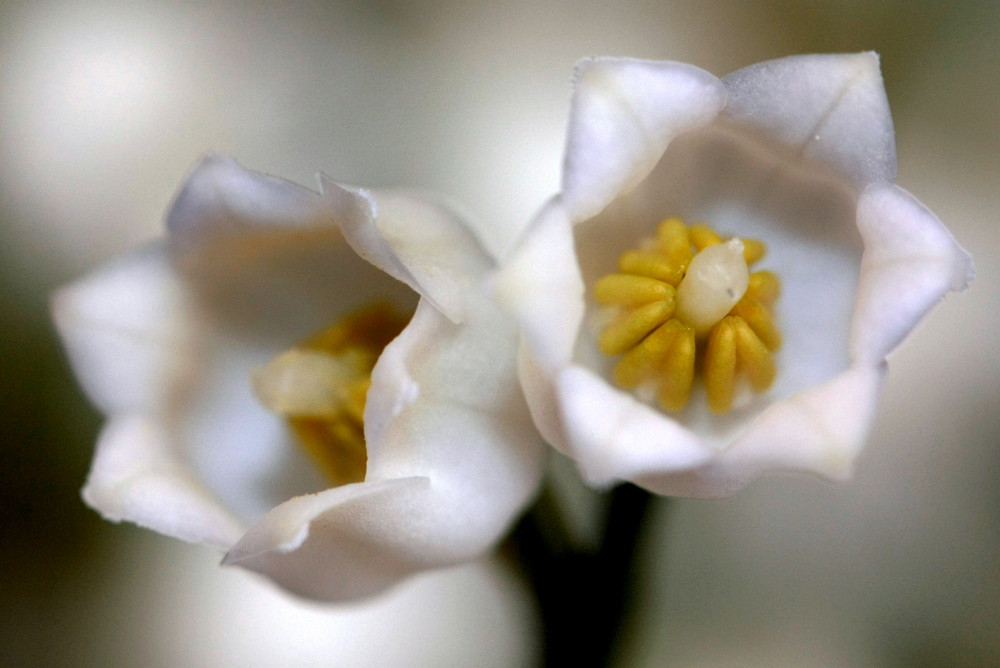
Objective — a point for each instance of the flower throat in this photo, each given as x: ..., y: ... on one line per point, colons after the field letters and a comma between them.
x: 320, y: 386
x: 686, y: 303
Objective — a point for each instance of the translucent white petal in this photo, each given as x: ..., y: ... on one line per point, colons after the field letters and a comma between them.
x: 830, y: 107
x: 820, y: 430
x: 624, y: 114
x: 344, y: 543
x: 411, y: 236
x: 452, y: 458
x: 130, y: 332
x: 137, y: 476
x: 541, y: 284
x: 615, y: 437
x: 222, y: 197
x: 910, y: 262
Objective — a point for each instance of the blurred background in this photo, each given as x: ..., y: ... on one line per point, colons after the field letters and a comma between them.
x: 104, y: 106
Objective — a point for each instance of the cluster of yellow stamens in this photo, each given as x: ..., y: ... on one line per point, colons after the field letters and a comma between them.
x: 320, y: 387
x: 687, y: 302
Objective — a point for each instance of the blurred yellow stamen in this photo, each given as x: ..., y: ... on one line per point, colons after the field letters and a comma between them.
x: 687, y: 303
x: 320, y: 387
x: 651, y: 265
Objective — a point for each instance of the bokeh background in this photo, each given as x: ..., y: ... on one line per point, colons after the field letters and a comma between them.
x: 104, y: 106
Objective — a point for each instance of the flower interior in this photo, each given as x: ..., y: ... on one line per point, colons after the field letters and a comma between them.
x: 686, y: 303
x: 320, y: 385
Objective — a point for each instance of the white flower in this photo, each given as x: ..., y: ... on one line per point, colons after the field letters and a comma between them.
x: 797, y: 153
x: 166, y: 341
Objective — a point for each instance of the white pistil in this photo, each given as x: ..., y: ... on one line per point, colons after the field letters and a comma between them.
x: 716, y: 279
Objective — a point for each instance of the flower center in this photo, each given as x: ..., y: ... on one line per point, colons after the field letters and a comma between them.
x: 320, y: 385
x: 686, y: 302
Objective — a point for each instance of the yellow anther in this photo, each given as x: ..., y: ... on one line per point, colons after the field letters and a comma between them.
x: 644, y: 361
x: 720, y: 366
x: 717, y: 314
x: 760, y: 321
x: 678, y: 372
x: 703, y: 236
x: 753, y: 250
x: 674, y: 242
x: 651, y: 265
x: 629, y: 290
x: 764, y: 286
x: 753, y: 356
x: 632, y: 327
x: 337, y: 448
x: 320, y: 387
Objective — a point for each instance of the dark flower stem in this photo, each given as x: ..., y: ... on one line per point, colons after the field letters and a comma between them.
x: 583, y: 595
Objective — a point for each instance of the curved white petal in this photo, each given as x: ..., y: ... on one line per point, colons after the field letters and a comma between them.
x: 452, y: 459
x: 222, y: 197
x: 539, y: 389
x: 341, y: 544
x: 137, y: 476
x: 820, y: 430
x: 540, y: 283
x: 615, y: 437
x: 129, y: 331
x: 624, y: 114
x: 413, y: 238
x: 911, y: 261
x: 831, y: 107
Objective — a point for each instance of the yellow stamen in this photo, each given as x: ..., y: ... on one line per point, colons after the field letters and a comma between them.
x: 720, y: 366
x: 753, y: 250
x: 764, y: 286
x: 687, y: 303
x: 754, y: 358
x: 642, y: 362
x: 651, y: 265
x: 674, y: 241
x: 760, y: 321
x: 678, y: 372
x: 632, y: 327
x: 628, y: 290
x: 320, y: 387
x: 703, y: 236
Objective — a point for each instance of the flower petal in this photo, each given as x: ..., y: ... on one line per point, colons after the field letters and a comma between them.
x: 419, y: 241
x: 341, y: 544
x: 452, y: 459
x: 541, y: 286
x: 624, y: 114
x: 137, y: 477
x: 820, y: 431
x: 129, y: 332
x: 615, y: 437
x: 831, y: 107
x: 911, y: 261
x: 540, y: 283
x: 221, y: 197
